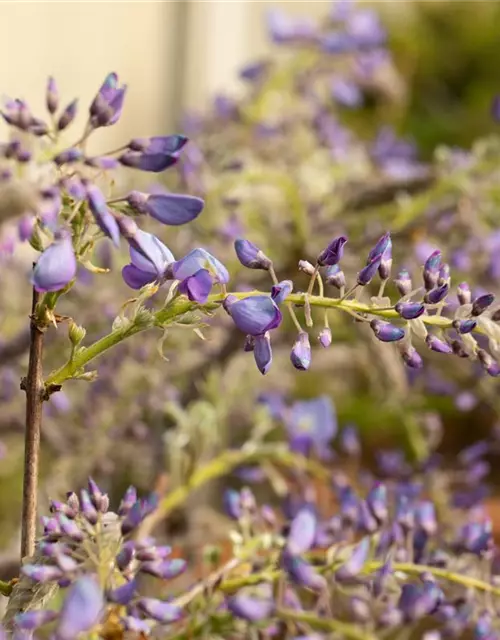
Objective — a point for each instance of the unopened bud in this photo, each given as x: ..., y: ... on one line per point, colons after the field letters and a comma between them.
x: 76, y: 333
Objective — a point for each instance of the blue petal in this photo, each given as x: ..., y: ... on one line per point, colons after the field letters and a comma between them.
x: 255, y: 315
x: 82, y: 608
x: 56, y: 267
x: 159, y: 255
x: 174, y: 208
x: 135, y: 278
x: 200, y: 259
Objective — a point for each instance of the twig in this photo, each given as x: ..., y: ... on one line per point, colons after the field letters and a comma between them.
x: 34, y: 388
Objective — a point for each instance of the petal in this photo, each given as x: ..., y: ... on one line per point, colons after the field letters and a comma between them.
x: 135, y: 278
x: 56, y: 267
x: 82, y: 608
x: 198, y: 286
x: 200, y: 259
x: 255, y: 315
x: 158, y: 254
x: 174, y: 208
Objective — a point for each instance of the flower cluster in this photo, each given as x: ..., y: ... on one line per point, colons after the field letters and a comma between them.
x: 89, y: 551
x: 415, y: 309
x: 60, y: 194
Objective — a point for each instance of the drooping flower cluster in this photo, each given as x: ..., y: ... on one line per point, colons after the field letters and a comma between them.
x: 89, y: 551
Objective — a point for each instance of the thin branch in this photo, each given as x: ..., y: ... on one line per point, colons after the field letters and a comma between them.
x: 34, y: 388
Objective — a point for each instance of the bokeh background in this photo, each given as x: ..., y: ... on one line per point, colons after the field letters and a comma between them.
x: 176, y: 58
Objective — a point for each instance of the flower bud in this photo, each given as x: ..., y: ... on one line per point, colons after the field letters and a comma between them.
x: 458, y: 349
x: 464, y: 293
x: 335, y: 276
x: 411, y: 357
x: 410, y: 310
x: 403, y: 282
x: 250, y: 255
x: 300, y: 355
x: 306, y: 267
x: 464, y: 326
x: 383, y: 244
x: 431, y: 270
x: 262, y: 352
x: 52, y: 96
x: 444, y: 274
x: 333, y: 252
x: 355, y: 563
x: 386, y: 332
x: 76, y: 333
x: 436, y: 295
x: 481, y: 303
x: 325, y: 337
x: 366, y: 275
x: 281, y: 291
x: 435, y: 344
x: 67, y: 116
x: 491, y: 367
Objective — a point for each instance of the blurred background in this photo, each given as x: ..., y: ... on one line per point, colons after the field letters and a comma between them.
x: 256, y: 166
x: 176, y: 55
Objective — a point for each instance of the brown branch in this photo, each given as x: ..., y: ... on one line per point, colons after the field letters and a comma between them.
x: 34, y: 388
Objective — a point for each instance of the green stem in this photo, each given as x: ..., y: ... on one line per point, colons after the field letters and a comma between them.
x: 223, y: 465
x: 180, y: 306
x: 234, y: 584
x: 345, y: 629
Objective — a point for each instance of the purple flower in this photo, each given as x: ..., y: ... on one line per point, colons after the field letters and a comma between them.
x: 435, y: 344
x: 366, y: 275
x: 144, y: 270
x: 464, y: 294
x: 301, y: 572
x: 349, y: 441
x: 168, y: 208
x: 411, y: 357
x: 410, y: 310
x: 164, y: 569
x: 159, y: 144
x: 335, y: 276
x: 42, y: 573
x: 311, y: 423
x: 436, y: 295
x: 403, y: 282
x: 200, y: 259
x: 302, y: 531
x: 464, y: 326
x: 255, y: 315
x: 431, y: 269
x: 249, y: 607
x: 56, y: 267
x: 262, y: 352
x: 386, y: 332
x: 163, y: 612
x: 25, y: 227
x: 377, y: 502
x: 52, y: 96
x: 333, y: 252
x: 33, y: 619
x: 124, y: 593
x: 102, y: 215
x: 281, y: 291
x: 365, y: 28
x: 355, y: 563
x: 106, y: 108
x: 82, y: 608
x: 67, y: 116
x: 68, y: 156
x: 300, y: 354
x: 325, y: 337
x: 346, y: 92
x: 481, y: 303
x: 250, y: 255
x: 197, y: 287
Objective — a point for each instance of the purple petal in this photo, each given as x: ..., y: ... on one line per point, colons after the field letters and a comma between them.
x: 82, y: 608
x: 56, y: 267
x: 135, y: 278
x: 198, y: 286
x: 255, y: 315
x: 174, y: 208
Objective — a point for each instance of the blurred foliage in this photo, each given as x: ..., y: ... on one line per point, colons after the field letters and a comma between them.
x: 447, y: 51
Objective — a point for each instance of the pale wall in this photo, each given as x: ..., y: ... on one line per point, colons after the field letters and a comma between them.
x: 172, y: 54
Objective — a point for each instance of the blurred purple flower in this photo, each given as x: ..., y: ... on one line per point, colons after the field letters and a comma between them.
x: 56, y: 266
